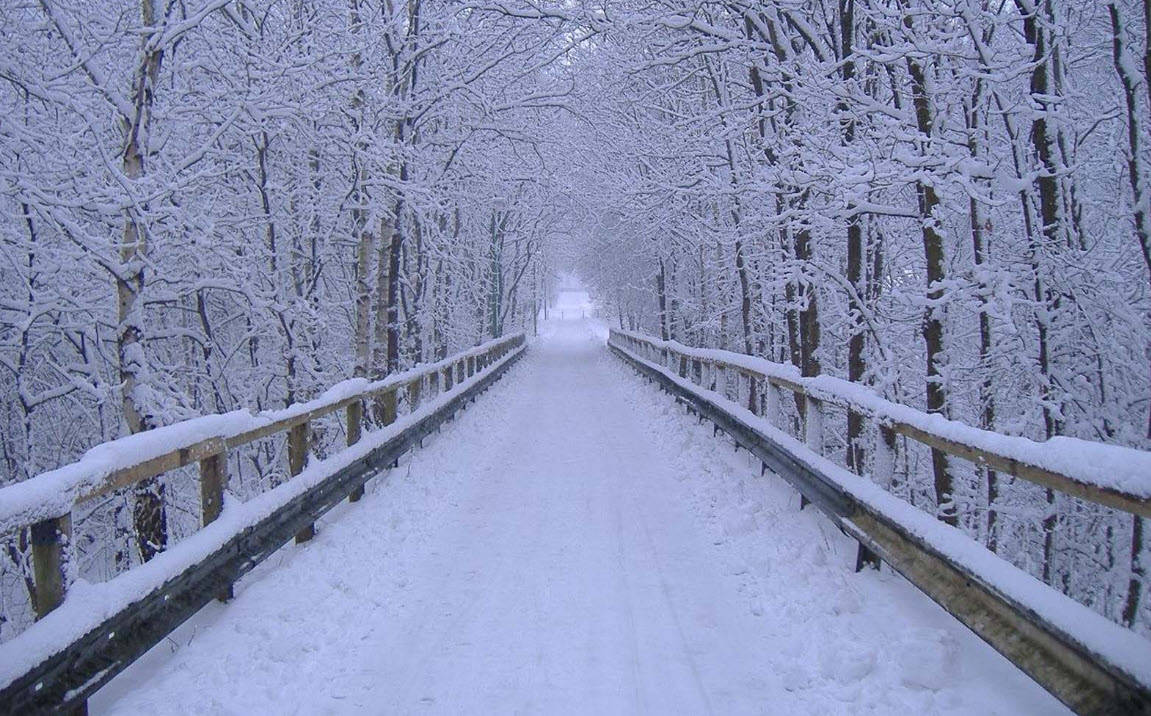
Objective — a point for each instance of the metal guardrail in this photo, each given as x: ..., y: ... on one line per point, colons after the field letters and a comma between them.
x: 65, y: 680
x: 1059, y: 660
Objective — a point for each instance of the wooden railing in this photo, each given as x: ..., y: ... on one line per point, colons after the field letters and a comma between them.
x: 64, y: 673
x: 1090, y: 663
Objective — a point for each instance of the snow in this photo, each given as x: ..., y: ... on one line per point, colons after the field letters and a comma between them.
x: 1121, y: 647
x: 1111, y: 467
x: 573, y: 543
x: 88, y: 605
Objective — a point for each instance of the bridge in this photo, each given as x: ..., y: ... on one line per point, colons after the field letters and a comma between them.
x: 587, y: 521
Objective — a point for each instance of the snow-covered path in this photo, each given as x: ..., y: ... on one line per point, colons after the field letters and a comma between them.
x: 572, y: 543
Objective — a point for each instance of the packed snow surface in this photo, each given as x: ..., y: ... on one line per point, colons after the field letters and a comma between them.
x: 573, y: 543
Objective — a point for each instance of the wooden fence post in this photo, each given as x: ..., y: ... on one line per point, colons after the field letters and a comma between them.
x: 297, y: 458
x: 213, y: 480
x: 883, y: 464
x: 771, y: 403
x: 355, y: 416
x: 387, y: 407
x: 812, y: 430
x: 51, y: 546
x: 449, y: 374
x: 414, y: 390
x: 51, y: 540
x: 813, y: 424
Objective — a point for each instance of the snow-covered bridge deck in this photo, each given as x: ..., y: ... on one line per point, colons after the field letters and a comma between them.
x: 573, y: 543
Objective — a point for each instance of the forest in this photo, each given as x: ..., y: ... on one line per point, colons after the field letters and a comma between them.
x: 211, y: 205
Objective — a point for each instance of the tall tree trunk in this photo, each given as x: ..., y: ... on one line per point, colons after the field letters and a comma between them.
x: 395, y: 251
x: 1141, y: 198
x: 362, y: 337
x: 982, y: 254
x: 380, y: 327
x: 744, y: 297
x: 363, y: 301
x: 809, y: 333
x: 661, y: 295
x: 1053, y: 232
x: 933, y: 314
x: 856, y: 360
x: 148, y: 513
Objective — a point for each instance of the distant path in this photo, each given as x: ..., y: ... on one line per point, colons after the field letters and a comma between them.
x: 573, y: 544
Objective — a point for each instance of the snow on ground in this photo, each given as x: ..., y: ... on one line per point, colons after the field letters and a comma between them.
x: 572, y: 304
x: 573, y: 543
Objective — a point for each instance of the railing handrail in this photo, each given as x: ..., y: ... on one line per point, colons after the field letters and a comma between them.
x: 1111, y: 475
x: 119, y: 463
x: 78, y: 645
x: 1089, y: 662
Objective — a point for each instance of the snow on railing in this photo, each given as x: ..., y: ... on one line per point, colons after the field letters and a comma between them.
x: 44, y: 503
x: 1111, y: 475
x: 1083, y: 658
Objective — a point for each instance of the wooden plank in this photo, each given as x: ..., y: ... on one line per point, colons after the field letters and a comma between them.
x: 883, y: 465
x: 182, y: 457
x: 50, y: 552
x: 355, y: 418
x: 213, y: 480
x: 994, y: 461
x: 196, y: 452
x: 813, y: 423
x: 386, y: 408
x: 771, y: 404
x: 1032, y: 473
x: 297, y: 459
x: 287, y: 423
x: 415, y: 388
x: 787, y: 385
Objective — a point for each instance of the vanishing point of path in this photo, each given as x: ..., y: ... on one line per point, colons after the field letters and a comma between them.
x: 572, y: 543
